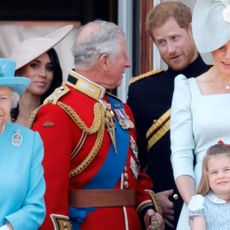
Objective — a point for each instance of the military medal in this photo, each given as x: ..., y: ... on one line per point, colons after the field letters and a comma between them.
x: 17, y: 138
x: 134, y: 167
x: 109, y: 122
x: 133, y: 146
x: 123, y: 118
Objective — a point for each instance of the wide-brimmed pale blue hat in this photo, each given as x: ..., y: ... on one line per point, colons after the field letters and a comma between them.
x: 211, y: 24
x: 7, y: 78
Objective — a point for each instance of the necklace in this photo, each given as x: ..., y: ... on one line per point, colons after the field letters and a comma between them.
x: 217, y: 78
x: 226, y: 84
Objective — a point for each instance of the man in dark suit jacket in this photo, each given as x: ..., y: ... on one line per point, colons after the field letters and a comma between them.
x: 150, y: 96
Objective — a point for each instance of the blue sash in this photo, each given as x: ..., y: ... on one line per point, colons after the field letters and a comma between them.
x: 113, y: 166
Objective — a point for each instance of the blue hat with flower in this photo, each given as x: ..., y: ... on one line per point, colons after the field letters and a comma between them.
x: 7, y: 78
x: 211, y: 24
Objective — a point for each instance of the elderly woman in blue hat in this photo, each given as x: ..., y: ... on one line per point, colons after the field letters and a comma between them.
x: 21, y: 152
x: 200, y: 107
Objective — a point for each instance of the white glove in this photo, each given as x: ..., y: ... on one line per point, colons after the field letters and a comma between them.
x: 4, y: 227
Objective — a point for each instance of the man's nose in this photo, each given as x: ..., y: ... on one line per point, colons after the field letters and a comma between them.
x: 128, y: 63
x: 171, y: 47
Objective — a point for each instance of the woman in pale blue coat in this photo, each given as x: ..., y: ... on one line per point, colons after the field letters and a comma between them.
x: 22, y: 183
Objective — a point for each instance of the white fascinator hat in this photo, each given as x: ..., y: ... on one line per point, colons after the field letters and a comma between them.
x: 211, y: 24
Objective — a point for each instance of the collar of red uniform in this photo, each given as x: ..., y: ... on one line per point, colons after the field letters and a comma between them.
x: 85, y: 85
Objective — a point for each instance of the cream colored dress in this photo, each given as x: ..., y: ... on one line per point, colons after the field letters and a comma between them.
x: 197, y: 122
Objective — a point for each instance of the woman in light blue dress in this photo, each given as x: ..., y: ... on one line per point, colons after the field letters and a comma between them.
x: 201, y: 106
x: 22, y: 183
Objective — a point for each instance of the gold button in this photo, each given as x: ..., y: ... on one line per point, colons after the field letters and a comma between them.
x: 126, y: 184
x: 175, y: 196
x: 126, y: 176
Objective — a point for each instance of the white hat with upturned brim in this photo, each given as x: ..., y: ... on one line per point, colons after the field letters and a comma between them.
x: 7, y: 78
x: 211, y: 24
x: 32, y: 48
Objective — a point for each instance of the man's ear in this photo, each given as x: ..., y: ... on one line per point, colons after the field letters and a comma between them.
x: 189, y: 29
x: 104, y: 61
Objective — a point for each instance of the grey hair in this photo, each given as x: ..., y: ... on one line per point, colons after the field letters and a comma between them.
x: 14, y: 99
x: 103, y: 40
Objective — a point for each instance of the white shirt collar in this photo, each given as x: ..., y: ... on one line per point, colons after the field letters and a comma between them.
x: 215, y: 199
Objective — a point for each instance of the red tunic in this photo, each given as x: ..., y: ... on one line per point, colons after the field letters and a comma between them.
x: 61, y: 133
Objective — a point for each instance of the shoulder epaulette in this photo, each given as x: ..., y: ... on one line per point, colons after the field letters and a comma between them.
x: 145, y: 75
x: 53, y: 99
x: 56, y: 95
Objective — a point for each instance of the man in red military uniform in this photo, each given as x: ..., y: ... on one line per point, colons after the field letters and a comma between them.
x: 91, y: 159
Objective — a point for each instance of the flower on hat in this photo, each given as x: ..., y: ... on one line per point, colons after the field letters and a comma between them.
x: 226, y: 13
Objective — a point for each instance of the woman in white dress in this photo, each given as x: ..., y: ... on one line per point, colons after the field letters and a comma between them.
x: 201, y: 106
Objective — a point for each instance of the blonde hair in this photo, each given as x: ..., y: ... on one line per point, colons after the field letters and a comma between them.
x: 214, y: 150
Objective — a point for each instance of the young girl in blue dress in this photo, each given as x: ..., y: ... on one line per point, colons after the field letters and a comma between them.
x: 209, y: 209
